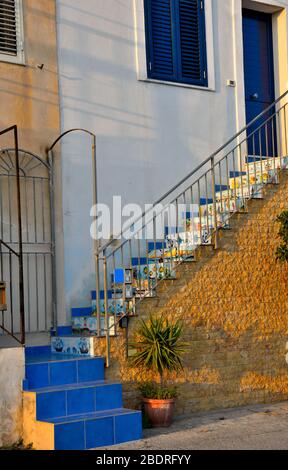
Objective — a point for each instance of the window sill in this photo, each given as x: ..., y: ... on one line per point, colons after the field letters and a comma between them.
x: 176, y: 84
x: 12, y: 60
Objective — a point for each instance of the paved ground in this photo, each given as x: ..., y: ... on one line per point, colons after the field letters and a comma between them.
x: 254, y: 427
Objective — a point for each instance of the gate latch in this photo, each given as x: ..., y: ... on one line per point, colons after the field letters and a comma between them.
x: 3, y: 303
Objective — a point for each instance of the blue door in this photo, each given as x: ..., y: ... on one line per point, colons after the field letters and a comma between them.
x: 259, y: 79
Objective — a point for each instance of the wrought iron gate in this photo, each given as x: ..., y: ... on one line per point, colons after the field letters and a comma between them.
x: 36, y: 210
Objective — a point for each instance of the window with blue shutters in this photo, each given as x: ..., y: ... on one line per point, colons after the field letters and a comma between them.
x: 176, y: 41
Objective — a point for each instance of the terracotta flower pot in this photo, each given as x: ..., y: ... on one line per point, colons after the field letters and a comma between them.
x: 159, y: 412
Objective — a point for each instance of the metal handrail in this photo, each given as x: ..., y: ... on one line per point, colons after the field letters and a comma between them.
x: 214, y: 208
x: 103, y: 247
x: 9, y: 248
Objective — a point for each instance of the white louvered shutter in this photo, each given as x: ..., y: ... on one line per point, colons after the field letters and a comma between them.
x: 11, y: 40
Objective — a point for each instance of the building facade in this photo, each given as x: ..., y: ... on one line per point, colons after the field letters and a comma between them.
x: 158, y: 104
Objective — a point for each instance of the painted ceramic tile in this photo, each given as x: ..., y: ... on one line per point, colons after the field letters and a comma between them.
x: 182, y: 245
x: 72, y: 345
x: 178, y: 247
x: 162, y: 269
x: 89, y: 326
x: 116, y: 306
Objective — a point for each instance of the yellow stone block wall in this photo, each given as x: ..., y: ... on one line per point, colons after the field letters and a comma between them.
x: 234, y: 303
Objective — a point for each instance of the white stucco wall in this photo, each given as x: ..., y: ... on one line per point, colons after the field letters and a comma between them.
x: 11, y: 375
x: 149, y: 134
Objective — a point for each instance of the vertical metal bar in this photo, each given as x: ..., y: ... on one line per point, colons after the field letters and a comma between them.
x: 45, y: 290
x: 221, y: 187
x: 11, y: 294
x: 228, y: 185
x: 107, y: 332
x: 28, y: 292
x: 26, y: 211
x: 1, y: 205
x: 261, y: 154
x: 140, y: 283
x: 53, y: 238
x: 267, y: 146
x: 241, y: 175
x: 279, y: 138
x: 114, y: 302
x: 43, y: 208
x: 254, y: 163
x: 207, y: 201
x: 10, y: 198
x: 248, y: 164
x: 1, y: 273
x: 200, y: 214
x: 192, y: 216
x: 98, y: 312
x: 214, y: 201
x: 286, y: 137
x: 21, y: 273
x: 155, y: 256
x: 234, y: 174
x: 177, y: 229
x: 35, y: 211
x: 37, y: 292
x: 96, y: 241
x: 273, y: 147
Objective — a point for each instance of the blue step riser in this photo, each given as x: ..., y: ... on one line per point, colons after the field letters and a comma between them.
x: 100, y: 432
x: 78, y: 401
x: 63, y: 373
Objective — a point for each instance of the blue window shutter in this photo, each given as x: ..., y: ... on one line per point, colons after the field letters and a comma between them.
x: 192, y: 42
x: 161, y: 61
x: 176, y: 40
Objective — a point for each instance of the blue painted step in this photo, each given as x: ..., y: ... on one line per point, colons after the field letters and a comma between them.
x: 44, y: 372
x: 221, y: 187
x: 237, y: 174
x: 251, y: 159
x: 88, y: 431
x: 82, y: 312
x: 81, y: 398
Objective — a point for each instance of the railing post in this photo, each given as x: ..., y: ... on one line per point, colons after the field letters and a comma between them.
x: 107, y: 330
x: 97, y: 272
x: 53, y: 238
x: 20, y: 241
x: 96, y: 241
x: 214, y: 202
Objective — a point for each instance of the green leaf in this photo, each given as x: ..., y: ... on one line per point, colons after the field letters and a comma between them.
x: 159, y: 346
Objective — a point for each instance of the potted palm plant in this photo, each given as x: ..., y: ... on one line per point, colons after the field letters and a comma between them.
x: 159, y: 349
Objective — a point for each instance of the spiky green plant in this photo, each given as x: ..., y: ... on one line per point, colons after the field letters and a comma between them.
x: 282, y: 250
x: 159, y: 347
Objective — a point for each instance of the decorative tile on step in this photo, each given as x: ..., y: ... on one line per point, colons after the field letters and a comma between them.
x: 74, y: 345
x: 89, y: 325
x: 117, y: 305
